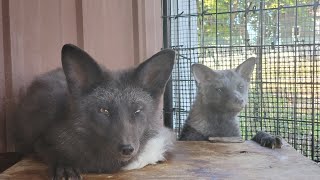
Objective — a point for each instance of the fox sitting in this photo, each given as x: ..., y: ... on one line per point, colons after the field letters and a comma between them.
x: 222, y: 94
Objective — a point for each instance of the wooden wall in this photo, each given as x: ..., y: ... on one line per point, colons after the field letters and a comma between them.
x: 117, y: 33
x: 2, y: 88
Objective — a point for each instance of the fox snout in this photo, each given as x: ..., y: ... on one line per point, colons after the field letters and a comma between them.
x: 239, y: 101
x: 236, y: 102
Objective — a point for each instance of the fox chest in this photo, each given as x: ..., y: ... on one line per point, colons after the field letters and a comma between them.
x: 223, y: 127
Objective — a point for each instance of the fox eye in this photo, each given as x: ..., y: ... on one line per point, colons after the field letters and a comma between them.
x: 219, y: 90
x: 104, y: 111
x: 137, y: 112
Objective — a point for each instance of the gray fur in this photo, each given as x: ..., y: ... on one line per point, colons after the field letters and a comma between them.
x: 78, y: 118
x: 222, y: 94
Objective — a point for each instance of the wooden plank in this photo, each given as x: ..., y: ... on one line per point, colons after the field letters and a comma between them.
x: 153, y: 26
x: 107, y: 31
x: 2, y: 87
x: 147, y: 28
x: 203, y: 160
x: 226, y: 139
x: 7, y: 66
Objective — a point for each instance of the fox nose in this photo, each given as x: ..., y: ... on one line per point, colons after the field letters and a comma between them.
x: 126, y: 150
x: 239, y: 101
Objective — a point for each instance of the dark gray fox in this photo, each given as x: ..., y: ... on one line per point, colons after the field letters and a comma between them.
x: 222, y: 94
x: 84, y: 118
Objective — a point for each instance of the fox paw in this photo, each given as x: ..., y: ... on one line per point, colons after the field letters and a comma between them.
x: 66, y: 173
x: 267, y: 140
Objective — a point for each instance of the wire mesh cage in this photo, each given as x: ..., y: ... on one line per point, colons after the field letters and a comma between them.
x: 284, y: 35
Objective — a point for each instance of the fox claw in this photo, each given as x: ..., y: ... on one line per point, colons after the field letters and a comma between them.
x: 267, y: 140
x: 66, y: 173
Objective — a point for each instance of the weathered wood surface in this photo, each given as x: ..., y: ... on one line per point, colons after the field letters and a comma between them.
x: 226, y: 139
x: 203, y: 160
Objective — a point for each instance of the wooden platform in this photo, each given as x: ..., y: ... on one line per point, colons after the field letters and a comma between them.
x: 202, y: 160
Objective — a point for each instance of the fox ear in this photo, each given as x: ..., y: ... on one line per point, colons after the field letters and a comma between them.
x: 202, y: 74
x: 154, y: 73
x: 246, y: 68
x: 82, y: 72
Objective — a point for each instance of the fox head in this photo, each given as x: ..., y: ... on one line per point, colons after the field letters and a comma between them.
x: 115, y: 111
x: 224, y: 90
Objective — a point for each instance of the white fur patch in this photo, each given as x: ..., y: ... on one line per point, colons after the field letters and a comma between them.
x: 154, y: 150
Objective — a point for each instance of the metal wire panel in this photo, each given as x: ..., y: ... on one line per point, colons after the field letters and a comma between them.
x: 284, y: 35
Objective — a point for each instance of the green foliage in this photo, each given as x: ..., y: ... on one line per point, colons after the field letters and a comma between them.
x: 220, y: 27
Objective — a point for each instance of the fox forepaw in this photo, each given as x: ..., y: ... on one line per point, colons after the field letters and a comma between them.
x: 267, y: 140
x: 66, y: 173
x: 271, y: 142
